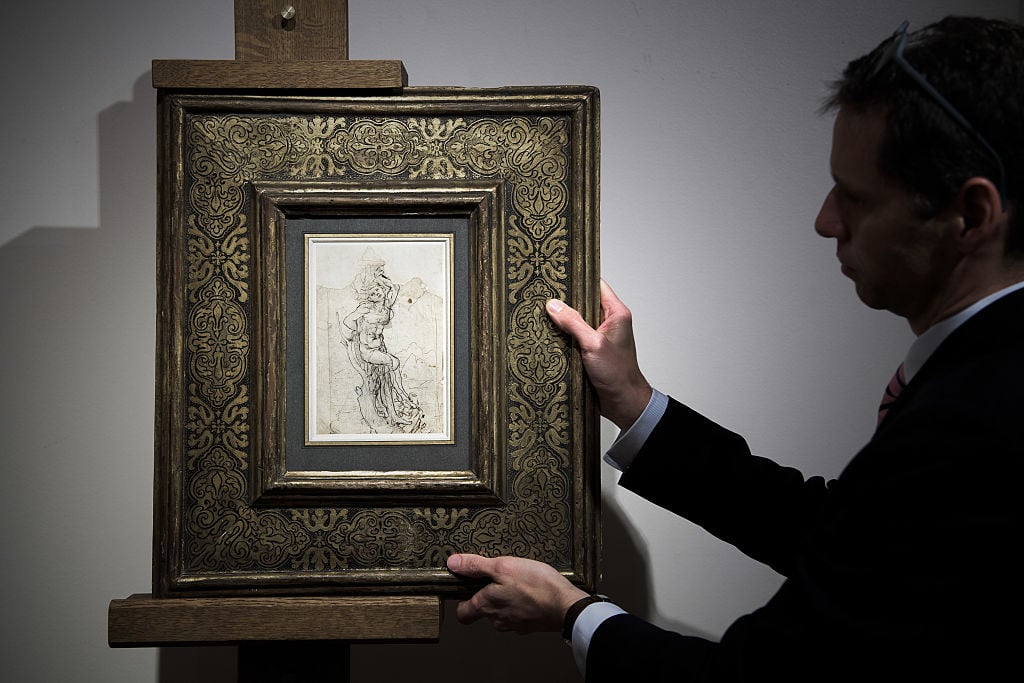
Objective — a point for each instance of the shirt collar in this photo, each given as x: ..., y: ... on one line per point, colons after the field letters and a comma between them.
x: 925, y: 345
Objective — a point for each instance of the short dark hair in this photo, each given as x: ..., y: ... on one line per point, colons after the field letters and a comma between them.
x: 978, y: 65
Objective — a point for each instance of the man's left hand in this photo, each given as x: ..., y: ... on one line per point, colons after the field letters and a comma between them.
x: 523, y: 595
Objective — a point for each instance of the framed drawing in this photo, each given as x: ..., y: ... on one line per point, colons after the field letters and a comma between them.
x: 356, y: 376
x: 378, y: 332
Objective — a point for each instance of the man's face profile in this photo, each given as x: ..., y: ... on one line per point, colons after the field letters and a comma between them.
x: 897, y: 260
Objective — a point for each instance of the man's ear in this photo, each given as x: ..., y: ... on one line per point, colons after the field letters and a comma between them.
x: 981, y: 212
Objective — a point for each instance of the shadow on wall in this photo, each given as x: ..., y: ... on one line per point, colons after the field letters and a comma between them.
x: 627, y: 573
x: 77, y: 375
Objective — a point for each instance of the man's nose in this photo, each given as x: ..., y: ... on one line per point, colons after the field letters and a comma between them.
x: 828, y: 223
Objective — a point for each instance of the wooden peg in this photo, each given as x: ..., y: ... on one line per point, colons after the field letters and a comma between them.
x: 285, y: 45
x: 291, y: 30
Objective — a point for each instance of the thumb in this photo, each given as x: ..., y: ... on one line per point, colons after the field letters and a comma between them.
x: 473, y: 566
x: 570, y: 321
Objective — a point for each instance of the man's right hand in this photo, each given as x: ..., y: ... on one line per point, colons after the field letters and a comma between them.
x: 609, y: 356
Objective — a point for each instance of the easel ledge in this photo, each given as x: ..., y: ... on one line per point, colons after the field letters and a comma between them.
x: 141, y: 620
x: 197, y: 74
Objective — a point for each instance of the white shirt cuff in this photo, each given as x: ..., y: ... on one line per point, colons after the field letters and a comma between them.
x: 622, y: 453
x: 586, y: 625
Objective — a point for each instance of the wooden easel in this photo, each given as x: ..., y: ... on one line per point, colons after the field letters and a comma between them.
x: 285, y: 45
x: 280, y: 45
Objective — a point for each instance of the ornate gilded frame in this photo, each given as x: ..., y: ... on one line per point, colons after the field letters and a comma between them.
x: 519, y: 166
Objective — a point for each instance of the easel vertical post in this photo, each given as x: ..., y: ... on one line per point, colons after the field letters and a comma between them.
x: 273, y: 31
x: 295, y: 662
x: 291, y: 30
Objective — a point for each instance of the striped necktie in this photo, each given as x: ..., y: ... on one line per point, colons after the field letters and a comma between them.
x: 896, y: 386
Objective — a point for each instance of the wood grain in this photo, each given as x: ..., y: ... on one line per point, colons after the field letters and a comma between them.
x: 316, y: 31
x: 142, y: 620
x: 201, y: 74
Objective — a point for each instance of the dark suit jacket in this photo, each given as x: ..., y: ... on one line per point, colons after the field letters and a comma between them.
x: 905, y: 567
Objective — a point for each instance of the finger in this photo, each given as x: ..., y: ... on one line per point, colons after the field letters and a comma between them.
x: 611, y: 305
x: 473, y: 566
x: 467, y: 612
x: 571, y: 322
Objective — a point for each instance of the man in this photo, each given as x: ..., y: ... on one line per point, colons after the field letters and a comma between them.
x: 905, y: 567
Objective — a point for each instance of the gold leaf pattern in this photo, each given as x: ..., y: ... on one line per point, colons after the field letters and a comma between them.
x: 219, y: 344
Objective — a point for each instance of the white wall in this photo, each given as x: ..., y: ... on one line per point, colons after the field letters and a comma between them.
x: 714, y: 163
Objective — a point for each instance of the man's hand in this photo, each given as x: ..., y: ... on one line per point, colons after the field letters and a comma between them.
x: 523, y: 595
x: 609, y: 355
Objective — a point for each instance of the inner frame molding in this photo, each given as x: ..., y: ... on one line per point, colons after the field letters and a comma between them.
x: 520, y: 167
x: 276, y: 484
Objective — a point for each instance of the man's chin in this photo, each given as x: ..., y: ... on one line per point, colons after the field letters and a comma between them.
x: 870, y: 298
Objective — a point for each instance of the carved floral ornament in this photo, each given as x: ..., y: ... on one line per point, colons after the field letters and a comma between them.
x: 220, y: 531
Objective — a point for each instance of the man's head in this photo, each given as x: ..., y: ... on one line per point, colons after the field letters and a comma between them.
x: 927, y: 156
x: 977, y: 66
